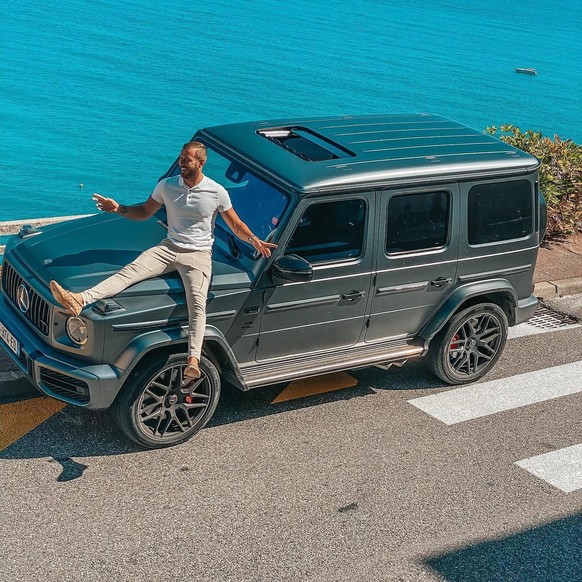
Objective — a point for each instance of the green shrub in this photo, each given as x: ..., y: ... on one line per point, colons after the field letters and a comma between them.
x: 560, y: 176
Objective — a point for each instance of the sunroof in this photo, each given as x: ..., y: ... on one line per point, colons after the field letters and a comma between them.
x: 305, y: 144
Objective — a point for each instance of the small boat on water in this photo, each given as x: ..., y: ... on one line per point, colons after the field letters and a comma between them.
x: 526, y: 70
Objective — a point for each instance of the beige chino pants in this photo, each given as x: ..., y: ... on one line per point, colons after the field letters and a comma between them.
x: 194, y: 268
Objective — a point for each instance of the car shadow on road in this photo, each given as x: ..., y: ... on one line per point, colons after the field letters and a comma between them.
x: 237, y: 406
x: 73, y: 432
x: 548, y: 552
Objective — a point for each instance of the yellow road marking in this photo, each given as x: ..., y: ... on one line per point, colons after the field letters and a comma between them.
x: 316, y: 385
x: 19, y: 418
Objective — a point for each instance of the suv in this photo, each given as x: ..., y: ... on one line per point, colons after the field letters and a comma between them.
x: 398, y: 236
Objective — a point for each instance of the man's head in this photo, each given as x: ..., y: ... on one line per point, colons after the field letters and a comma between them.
x: 192, y: 159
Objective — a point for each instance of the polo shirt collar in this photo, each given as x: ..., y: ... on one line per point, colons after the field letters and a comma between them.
x: 182, y: 184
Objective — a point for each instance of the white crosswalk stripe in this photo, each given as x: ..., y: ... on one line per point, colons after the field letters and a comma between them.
x: 543, y: 321
x: 478, y: 400
x: 528, y: 329
x: 561, y: 468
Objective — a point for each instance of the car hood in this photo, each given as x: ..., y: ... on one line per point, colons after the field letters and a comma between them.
x: 80, y: 253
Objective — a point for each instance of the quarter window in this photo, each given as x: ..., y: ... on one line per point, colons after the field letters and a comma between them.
x: 500, y: 211
x: 417, y: 222
x: 330, y: 231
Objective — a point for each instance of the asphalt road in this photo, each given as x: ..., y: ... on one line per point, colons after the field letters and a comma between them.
x: 361, y: 484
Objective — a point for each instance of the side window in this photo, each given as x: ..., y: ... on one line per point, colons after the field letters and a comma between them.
x: 500, y: 211
x: 330, y: 231
x: 417, y: 222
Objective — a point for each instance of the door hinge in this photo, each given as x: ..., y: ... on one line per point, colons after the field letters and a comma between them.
x: 368, y: 321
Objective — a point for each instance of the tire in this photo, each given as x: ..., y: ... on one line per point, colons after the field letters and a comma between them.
x: 469, y: 345
x: 155, y: 409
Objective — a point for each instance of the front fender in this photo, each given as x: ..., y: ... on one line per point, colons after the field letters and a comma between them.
x: 460, y: 296
x: 215, y: 346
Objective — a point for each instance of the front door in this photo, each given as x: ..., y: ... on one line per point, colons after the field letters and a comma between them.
x: 418, y: 240
x: 335, y: 236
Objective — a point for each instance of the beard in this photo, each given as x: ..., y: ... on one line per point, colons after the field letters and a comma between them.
x: 187, y: 173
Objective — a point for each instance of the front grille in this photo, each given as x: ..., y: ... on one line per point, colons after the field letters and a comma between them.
x: 38, y: 312
x: 64, y: 385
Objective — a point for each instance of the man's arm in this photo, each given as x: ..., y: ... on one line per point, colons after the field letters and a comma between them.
x: 242, y: 231
x: 141, y: 211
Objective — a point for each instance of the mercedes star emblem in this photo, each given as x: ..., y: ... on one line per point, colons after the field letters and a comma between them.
x: 22, y: 298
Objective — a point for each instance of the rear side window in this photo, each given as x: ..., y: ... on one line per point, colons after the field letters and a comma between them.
x: 500, y: 211
x: 417, y: 222
x: 330, y: 231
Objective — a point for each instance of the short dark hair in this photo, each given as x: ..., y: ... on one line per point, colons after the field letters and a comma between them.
x: 198, y: 147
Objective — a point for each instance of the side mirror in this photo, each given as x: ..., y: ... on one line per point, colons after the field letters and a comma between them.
x: 291, y: 269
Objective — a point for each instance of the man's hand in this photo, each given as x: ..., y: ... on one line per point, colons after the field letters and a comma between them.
x: 263, y: 247
x: 105, y: 204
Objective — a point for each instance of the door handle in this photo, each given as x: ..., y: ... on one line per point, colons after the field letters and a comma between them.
x: 351, y: 295
x: 441, y: 281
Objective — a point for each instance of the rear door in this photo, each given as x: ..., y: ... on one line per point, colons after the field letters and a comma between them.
x: 335, y: 235
x: 416, y: 267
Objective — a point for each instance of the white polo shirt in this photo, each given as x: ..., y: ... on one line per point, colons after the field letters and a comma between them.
x: 191, y: 211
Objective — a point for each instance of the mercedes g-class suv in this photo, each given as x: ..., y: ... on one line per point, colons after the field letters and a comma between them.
x: 398, y: 236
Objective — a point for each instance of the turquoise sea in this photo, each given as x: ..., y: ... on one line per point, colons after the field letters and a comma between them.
x: 99, y: 95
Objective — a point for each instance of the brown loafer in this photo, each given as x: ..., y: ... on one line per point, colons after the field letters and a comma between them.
x: 192, y: 372
x: 67, y: 299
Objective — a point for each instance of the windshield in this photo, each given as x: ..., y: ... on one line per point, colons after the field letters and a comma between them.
x: 257, y: 203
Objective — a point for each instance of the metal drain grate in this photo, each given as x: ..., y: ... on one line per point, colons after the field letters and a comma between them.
x: 545, y: 318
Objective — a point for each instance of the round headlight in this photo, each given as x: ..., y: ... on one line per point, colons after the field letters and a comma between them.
x: 77, y: 330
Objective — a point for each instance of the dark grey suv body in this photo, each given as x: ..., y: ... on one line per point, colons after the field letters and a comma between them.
x: 398, y: 236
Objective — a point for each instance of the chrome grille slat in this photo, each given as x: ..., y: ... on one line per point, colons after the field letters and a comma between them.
x: 39, y: 312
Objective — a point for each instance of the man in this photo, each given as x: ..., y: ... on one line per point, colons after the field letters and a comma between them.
x: 192, y: 201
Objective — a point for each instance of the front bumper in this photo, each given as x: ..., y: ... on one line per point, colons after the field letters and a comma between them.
x: 55, y: 374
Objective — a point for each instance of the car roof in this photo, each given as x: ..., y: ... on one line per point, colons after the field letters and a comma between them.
x: 367, y: 150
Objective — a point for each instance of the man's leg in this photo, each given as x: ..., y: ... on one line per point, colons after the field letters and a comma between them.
x: 151, y: 263
x: 195, y: 269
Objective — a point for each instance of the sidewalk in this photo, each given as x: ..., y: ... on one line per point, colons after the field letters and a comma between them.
x: 559, y: 270
x: 557, y: 278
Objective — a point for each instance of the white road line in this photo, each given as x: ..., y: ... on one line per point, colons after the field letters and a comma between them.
x: 561, y: 468
x: 524, y: 329
x: 478, y: 400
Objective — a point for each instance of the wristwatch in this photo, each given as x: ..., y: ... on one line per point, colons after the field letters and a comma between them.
x: 252, y: 237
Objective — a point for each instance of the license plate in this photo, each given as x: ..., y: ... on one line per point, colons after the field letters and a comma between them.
x: 9, y: 339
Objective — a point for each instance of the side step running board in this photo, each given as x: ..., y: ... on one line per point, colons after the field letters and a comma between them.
x: 381, y: 355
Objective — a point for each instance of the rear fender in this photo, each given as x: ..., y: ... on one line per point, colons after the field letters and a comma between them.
x: 471, y: 291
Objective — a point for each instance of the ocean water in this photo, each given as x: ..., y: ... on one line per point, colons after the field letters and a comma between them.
x: 99, y: 95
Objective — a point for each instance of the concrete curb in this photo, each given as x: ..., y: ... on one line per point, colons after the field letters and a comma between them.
x: 551, y: 289
x: 14, y: 384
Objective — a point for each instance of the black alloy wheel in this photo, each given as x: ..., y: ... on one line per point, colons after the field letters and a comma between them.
x: 158, y: 407
x: 469, y: 345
